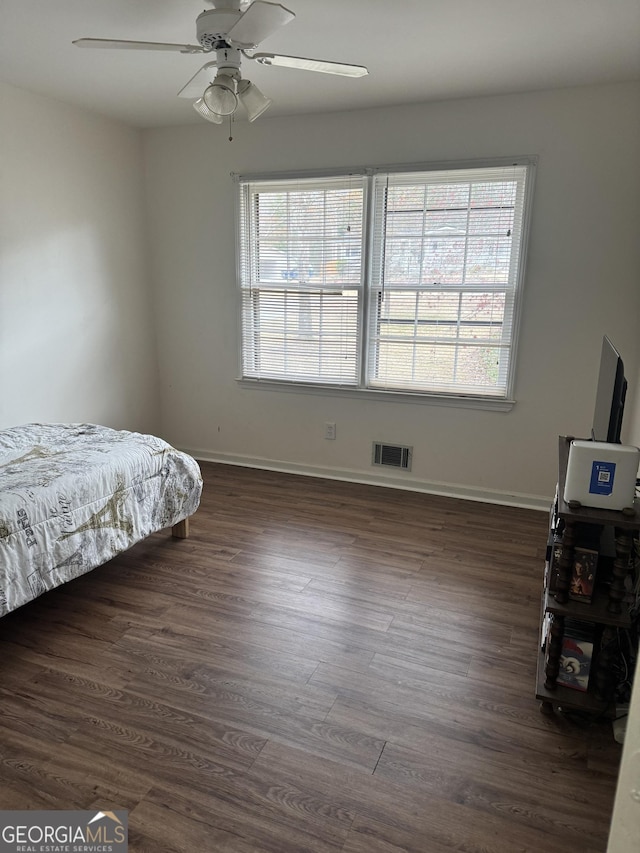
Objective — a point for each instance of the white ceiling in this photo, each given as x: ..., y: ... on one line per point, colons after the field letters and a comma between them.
x: 416, y: 51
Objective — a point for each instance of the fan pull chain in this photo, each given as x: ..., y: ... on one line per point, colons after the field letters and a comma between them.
x: 230, y: 120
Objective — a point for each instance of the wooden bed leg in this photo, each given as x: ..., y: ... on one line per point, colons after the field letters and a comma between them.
x: 181, y: 529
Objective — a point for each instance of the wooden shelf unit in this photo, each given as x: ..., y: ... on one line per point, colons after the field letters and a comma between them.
x: 607, y: 611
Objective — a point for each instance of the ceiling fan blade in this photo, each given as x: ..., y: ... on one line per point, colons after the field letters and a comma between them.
x: 259, y: 21
x: 306, y: 64
x: 138, y: 45
x: 199, y: 82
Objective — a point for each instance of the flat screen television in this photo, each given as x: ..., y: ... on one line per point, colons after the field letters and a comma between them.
x: 610, y: 395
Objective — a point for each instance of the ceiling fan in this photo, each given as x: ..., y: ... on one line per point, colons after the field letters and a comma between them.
x: 229, y: 30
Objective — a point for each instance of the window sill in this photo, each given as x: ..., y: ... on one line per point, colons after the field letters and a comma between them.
x: 455, y: 402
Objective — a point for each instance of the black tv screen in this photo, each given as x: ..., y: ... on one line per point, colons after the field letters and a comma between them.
x: 610, y: 395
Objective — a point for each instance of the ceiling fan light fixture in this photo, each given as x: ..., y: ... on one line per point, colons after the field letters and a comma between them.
x: 220, y: 97
x: 203, y: 110
x: 229, y: 30
x: 252, y: 99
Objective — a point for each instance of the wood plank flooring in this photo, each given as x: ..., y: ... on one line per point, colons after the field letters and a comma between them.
x: 320, y: 667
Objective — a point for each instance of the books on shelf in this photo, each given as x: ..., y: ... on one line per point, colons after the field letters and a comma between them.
x: 576, y: 655
x: 583, y: 574
x: 551, y: 565
x: 545, y: 630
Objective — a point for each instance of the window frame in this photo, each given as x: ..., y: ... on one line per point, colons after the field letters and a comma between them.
x: 501, y: 402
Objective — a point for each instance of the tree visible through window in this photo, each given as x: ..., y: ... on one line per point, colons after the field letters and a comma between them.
x: 423, y: 302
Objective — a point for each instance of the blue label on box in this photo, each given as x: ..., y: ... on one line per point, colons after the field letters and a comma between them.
x: 602, y: 476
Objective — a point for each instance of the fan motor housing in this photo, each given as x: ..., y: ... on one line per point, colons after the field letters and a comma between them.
x: 212, y: 26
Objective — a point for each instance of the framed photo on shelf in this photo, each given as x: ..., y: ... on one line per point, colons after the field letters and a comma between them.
x: 576, y: 655
x: 583, y: 574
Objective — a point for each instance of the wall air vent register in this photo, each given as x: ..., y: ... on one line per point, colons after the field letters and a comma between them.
x: 392, y: 455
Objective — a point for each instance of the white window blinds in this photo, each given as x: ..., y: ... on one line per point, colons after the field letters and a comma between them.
x: 444, y: 280
x: 422, y: 299
x: 301, y: 279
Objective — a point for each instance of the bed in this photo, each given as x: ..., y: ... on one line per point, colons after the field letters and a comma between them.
x: 73, y: 496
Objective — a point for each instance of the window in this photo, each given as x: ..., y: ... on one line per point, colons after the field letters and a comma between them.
x: 404, y: 281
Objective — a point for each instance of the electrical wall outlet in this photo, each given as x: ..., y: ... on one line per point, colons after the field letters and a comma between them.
x: 330, y: 430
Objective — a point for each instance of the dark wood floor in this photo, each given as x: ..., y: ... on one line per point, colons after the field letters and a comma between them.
x: 320, y: 667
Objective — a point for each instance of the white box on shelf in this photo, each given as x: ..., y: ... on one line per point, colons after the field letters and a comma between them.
x: 602, y: 475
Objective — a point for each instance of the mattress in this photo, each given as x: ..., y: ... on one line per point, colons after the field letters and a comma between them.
x: 73, y: 496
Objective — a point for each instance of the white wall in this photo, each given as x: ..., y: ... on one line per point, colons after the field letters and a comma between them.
x: 77, y: 334
x: 583, y: 280
x: 632, y: 416
x: 625, y: 821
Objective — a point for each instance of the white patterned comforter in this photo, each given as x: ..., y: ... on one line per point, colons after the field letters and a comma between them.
x: 72, y: 496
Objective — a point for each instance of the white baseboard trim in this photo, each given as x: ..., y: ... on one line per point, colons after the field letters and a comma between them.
x: 449, y: 490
